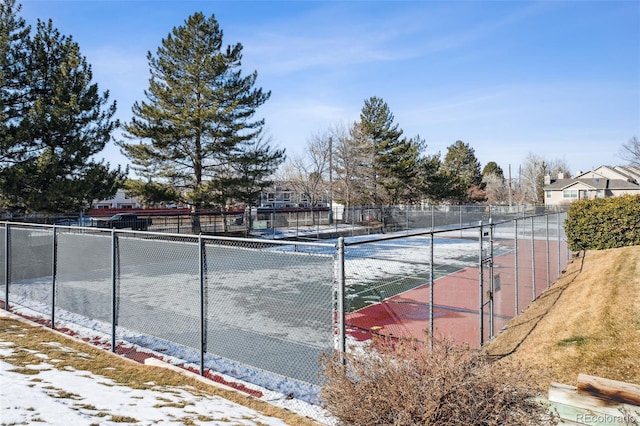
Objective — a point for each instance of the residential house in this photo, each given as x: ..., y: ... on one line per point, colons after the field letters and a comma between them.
x: 282, y: 196
x: 602, y: 182
x: 121, y: 200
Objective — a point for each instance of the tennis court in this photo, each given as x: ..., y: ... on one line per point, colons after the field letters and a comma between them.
x: 399, y: 305
x: 272, y: 305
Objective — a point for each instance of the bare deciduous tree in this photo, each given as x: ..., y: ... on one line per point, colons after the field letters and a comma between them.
x: 630, y: 151
x: 352, y: 163
x: 496, y: 189
x: 532, y: 173
x: 308, y: 174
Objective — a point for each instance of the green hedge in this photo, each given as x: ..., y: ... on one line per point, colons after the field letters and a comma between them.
x: 604, y: 223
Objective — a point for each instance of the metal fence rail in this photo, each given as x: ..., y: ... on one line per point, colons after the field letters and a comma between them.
x: 276, y: 306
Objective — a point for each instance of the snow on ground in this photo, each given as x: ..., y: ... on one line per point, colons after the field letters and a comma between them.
x: 72, y: 397
x: 173, y: 356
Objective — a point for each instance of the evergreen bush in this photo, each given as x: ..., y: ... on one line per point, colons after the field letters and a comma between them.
x: 603, y: 223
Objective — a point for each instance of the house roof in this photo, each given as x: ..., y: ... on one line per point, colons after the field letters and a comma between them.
x: 604, y: 177
x: 628, y: 173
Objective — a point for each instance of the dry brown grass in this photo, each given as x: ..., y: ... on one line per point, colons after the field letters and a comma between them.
x: 30, y: 339
x: 588, y: 322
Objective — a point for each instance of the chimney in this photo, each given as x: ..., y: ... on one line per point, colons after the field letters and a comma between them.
x: 547, y: 179
x: 560, y: 175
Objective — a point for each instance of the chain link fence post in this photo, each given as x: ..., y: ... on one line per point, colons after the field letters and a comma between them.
x: 481, y: 285
x: 559, y: 245
x: 432, y: 217
x: 515, y: 265
x: 114, y: 293
x: 489, y: 260
x: 7, y: 271
x: 54, y: 266
x: 548, y: 262
x: 533, y: 259
x: 203, y: 298
x: 340, y: 295
x: 431, y: 272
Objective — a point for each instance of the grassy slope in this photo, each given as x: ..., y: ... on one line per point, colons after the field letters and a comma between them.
x: 588, y: 322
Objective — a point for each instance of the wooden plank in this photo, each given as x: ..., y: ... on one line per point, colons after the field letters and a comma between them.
x: 568, y: 395
x: 613, y: 390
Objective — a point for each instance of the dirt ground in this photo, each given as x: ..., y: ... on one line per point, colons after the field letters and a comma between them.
x: 588, y: 322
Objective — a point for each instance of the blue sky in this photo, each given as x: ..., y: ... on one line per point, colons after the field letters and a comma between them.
x: 560, y: 79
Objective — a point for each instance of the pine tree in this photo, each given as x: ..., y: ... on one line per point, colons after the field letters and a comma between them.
x: 462, y: 169
x: 401, y: 181
x: 251, y: 172
x: 14, y: 35
x: 378, y: 127
x: 63, y: 122
x: 394, y: 159
x: 196, y: 125
x: 492, y: 168
x: 433, y: 183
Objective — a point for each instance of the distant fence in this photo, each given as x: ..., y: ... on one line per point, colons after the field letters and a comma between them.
x: 312, y: 222
x: 276, y: 306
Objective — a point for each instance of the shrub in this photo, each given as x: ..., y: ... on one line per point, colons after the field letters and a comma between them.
x: 603, y: 223
x: 408, y: 384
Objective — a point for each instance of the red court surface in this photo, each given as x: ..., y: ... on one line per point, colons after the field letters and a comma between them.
x: 456, y: 299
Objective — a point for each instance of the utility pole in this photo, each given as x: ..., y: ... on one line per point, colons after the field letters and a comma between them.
x: 509, y: 184
x: 331, y: 180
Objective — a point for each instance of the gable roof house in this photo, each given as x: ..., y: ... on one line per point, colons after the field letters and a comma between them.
x: 602, y: 182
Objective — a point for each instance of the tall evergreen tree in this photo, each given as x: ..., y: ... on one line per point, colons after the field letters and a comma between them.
x: 251, y: 172
x: 492, y: 168
x: 462, y: 170
x: 402, y: 184
x: 63, y: 122
x: 435, y: 185
x: 196, y: 125
x: 394, y: 159
x: 14, y: 36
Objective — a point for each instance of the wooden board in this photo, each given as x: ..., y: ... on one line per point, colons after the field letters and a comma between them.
x: 589, y: 409
x: 613, y: 390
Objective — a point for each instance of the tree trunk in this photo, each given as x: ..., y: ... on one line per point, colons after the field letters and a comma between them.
x: 195, y: 220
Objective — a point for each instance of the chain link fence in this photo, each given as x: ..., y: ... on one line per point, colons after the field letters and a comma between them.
x: 464, y: 283
x: 265, y: 310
